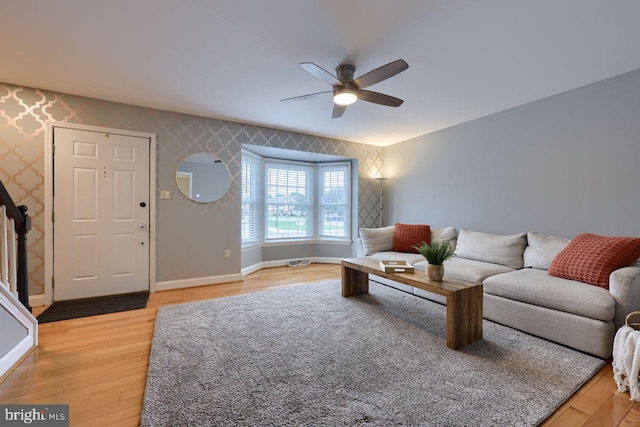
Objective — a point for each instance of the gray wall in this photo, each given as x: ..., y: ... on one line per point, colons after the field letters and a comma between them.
x: 12, y: 332
x: 190, y: 237
x: 562, y: 165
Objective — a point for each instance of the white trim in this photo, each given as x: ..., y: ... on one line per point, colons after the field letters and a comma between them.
x: 304, y: 242
x: 294, y: 243
x: 333, y: 242
x: 26, y: 319
x: 284, y: 262
x: 252, y: 269
x: 326, y: 260
x: 48, y: 197
x: 196, y: 281
x: 37, y: 300
x: 250, y: 154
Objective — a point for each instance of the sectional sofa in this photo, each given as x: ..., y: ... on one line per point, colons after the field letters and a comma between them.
x: 519, y: 291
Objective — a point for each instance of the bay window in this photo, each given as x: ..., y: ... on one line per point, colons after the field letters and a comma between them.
x: 289, y: 201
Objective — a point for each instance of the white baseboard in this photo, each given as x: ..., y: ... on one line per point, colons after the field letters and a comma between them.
x: 37, y: 300
x: 196, y: 281
x: 284, y: 262
x: 252, y: 269
x: 327, y: 260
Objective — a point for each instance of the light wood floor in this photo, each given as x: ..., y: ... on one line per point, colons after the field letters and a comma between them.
x: 98, y: 365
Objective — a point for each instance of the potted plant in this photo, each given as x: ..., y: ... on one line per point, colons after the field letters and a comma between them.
x: 436, y: 254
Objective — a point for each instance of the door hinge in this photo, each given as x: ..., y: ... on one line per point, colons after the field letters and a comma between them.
x: 54, y: 149
x: 53, y: 282
x: 53, y: 216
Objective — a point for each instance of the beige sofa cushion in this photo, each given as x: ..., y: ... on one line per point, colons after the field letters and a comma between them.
x: 446, y: 234
x: 466, y: 269
x: 542, y: 249
x: 494, y: 248
x: 377, y: 239
x: 537, y: 287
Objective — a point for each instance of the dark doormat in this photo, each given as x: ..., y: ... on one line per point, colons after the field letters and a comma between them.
x: 93, y: 306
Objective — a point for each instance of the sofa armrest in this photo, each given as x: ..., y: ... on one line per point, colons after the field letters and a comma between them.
x: 624, y: 286
x: 359, y: 248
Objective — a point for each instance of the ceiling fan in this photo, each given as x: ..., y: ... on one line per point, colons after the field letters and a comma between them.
x: 346, y: 90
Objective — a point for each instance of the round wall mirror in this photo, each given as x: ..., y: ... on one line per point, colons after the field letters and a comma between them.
x: 203, y: 177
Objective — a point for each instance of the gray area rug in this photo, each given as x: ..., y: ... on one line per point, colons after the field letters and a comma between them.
x: 305, y: 356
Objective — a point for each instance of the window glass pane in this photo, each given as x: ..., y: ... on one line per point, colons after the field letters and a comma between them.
x: 334, y: 201
x: 289, y: 201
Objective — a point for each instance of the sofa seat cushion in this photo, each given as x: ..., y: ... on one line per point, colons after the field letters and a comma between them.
x: 466, y: 269
x: 397, y: 256
x: 537, y: 287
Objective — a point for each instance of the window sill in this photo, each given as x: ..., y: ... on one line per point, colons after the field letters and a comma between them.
x: 297, y: 242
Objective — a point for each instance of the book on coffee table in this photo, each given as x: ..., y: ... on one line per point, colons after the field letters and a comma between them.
x: 396, y: 267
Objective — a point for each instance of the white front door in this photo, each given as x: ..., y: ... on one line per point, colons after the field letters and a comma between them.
x: 101, y: 214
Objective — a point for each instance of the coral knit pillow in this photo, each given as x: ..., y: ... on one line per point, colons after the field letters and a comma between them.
x: 591, y: 258
x: 408, y: 235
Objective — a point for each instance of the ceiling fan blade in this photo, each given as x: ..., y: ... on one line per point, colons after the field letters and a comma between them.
x: 379, y: 98
x: 321, y: 73
x: 338, y: 111
x: 303, y: 97
x: 381, y: 73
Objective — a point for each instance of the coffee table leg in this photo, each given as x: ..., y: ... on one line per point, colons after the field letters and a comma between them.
x: 464, y: 317
x: 354, y: 282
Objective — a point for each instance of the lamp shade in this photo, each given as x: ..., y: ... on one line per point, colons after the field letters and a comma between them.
x: 344, y: 96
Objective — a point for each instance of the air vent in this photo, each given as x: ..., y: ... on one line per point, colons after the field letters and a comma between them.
x: 297, y: 262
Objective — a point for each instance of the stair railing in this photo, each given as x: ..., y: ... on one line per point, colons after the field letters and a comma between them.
x: 15, y: 223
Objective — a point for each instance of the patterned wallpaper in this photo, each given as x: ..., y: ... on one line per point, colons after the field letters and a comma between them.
x: 188, y: 235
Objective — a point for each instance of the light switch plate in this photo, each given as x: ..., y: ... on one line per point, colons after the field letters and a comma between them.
x: 165, y: 194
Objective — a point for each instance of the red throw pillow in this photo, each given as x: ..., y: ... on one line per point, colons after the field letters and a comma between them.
x: 591, y: 258
x: 408, y: 235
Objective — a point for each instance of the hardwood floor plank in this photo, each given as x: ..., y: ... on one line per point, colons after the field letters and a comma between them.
x: 605, y: 370
x: 597, y: 395
x: 632, y: 418
x: 570, y: 418
x: 612, y: 412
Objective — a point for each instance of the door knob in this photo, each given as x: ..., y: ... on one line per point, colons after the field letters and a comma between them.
x: 143, y: 204
x: 143, y: 226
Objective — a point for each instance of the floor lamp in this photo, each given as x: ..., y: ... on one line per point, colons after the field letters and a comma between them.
x: 381, y: 181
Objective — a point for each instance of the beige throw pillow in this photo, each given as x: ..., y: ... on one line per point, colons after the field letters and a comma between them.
x: 377, y: 239
x: 542, y: 249
x: 446, y: 234
x: 494, y: 248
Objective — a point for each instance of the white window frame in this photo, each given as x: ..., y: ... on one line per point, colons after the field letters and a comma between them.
x: 308, y: 169
x: 344, y: 167
x: 315, y: 215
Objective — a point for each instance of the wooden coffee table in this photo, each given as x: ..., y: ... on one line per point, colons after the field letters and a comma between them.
x: 464, y: 299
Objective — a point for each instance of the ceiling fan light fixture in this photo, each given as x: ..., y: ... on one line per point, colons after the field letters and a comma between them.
x: 344, y: 96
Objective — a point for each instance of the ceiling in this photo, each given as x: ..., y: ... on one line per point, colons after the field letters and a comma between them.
x: 235, y: 59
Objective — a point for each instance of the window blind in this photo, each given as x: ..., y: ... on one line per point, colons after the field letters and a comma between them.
x: 289, y: 201
x: 334, y: 186
x: 251, y: 199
